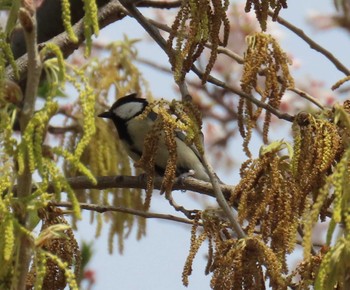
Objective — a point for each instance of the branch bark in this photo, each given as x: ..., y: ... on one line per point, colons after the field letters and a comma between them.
x: 105, y: 208
x: 49, y: 22
x: 236, y: 91
x: 159, y: 4
x: 108, y: 14
x: 314, y: 45
x: 28, y: 21
x: 121, y: 181
x: 222, y: 201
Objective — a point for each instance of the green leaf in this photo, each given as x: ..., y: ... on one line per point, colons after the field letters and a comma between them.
x: 275, y: 147
x: 45, y: 90
x: 86, y: 253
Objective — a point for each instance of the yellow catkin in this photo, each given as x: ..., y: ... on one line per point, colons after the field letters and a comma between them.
x: 261, y: 9
x: 9, y: 236
x: 75, y: 162
x: 91, y: 10
x: 40, y: 261
x: 53, y: 48
x: 6, y: 54
x: 90, y: 23
x: 202, y: 21
x: 66, y: 17
x: 196, y: 242
x: 266, y: 73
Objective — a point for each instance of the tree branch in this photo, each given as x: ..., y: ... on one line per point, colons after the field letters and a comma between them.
x: 235, y: 57
x: 108, y: 14
x: 312, y: 44
x: 150, y: 29
x: 150, y: 25
x: 63, y: 130
x: 236, y: 91
x: 306, y: 96
x: 121, y: 181
x: 159, y: 4
x: 221, y: 49
x: 27, y: 19
x: 105, y: 208
x: 222, y: 200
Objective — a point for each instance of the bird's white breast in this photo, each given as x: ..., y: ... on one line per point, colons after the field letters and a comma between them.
x: 128, y: 110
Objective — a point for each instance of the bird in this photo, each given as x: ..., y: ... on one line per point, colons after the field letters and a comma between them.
x: 132, y: 132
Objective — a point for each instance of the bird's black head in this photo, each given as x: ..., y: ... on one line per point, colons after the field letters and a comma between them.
x: 125, y: 108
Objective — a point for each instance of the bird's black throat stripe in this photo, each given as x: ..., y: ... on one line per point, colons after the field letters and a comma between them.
x: 137, y: 152
x: 122, y: 129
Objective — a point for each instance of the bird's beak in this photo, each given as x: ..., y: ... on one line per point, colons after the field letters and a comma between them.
x: 107, y: 115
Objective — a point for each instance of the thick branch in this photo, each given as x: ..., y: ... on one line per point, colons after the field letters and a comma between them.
x: 28, y: 21
x: 108, y: 14
x: 120, y: 181
x: 159, y: 4
x: 49, y: 22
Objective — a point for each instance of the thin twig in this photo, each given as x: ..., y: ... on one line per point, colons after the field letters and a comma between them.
x: 105, y: 208
x: 154, y: 65
x: 150, y: 29
x: 185, y: 95
x: 221, y: 49
x: 154, y: 33
x: 306, y: 96
x: 222, y: 201
x: 190, y: 214
x: 313, y: 44
x: 228, y: 52
x: 63, y: 130
x: 222, y: 84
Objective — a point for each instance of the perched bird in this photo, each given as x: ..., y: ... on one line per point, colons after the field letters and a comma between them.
x: 132, y: 133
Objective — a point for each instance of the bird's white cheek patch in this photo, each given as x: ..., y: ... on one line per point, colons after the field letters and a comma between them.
x: 128, y: 110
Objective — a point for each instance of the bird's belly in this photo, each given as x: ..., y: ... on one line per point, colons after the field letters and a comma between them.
x: 186, y: 158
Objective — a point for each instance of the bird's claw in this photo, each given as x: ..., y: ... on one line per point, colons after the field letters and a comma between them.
x: 183, y: 176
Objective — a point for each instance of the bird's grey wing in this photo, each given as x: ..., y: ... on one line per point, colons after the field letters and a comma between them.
x: 182, y: 137
x: 152, y: 115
